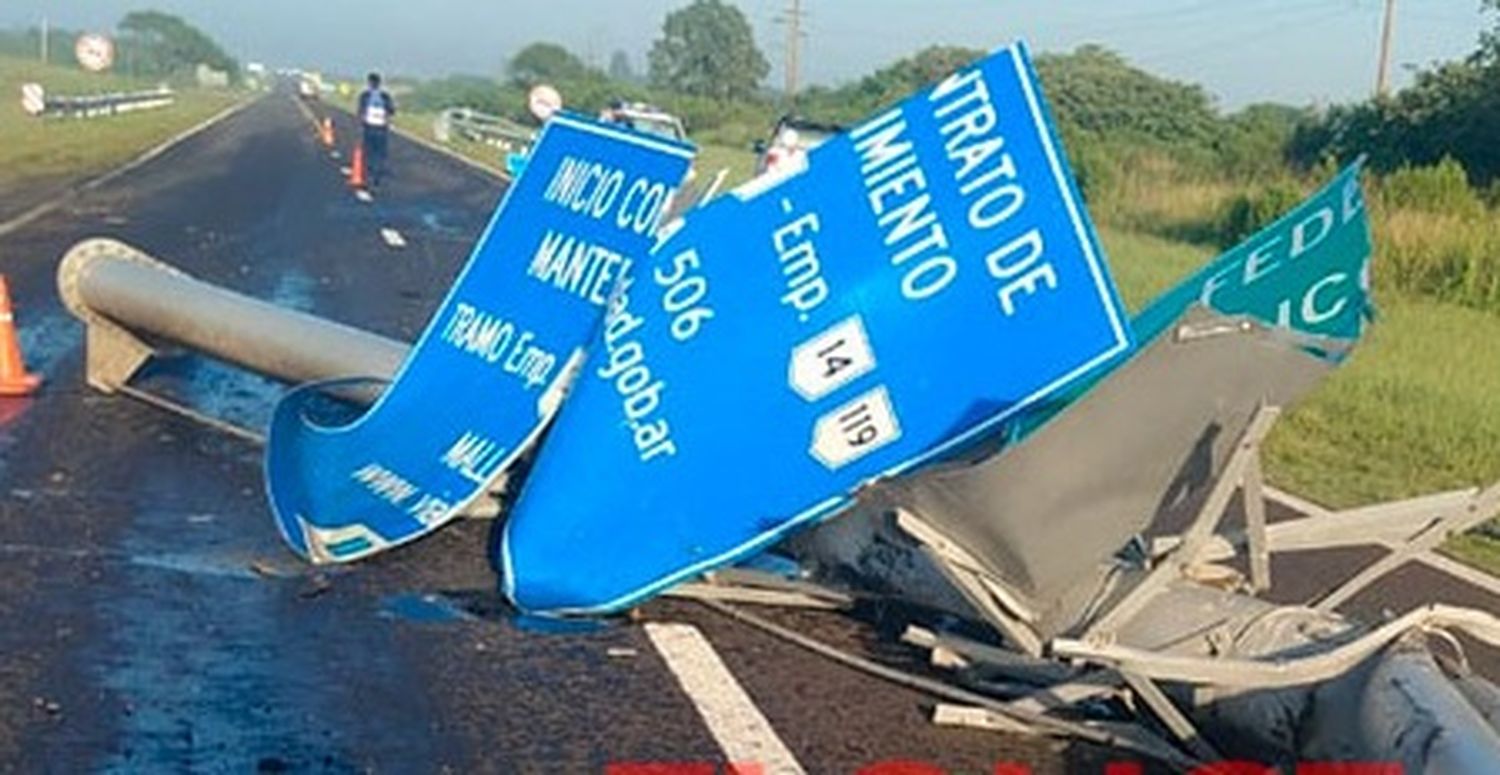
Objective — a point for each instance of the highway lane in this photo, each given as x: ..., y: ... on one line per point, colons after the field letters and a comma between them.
x: 150, y: 619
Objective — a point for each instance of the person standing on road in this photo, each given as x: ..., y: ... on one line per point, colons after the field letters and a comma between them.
x: 376, y: 109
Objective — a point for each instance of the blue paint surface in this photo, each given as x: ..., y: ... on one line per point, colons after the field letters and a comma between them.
x: 926, y: 276
x: 494, y: 362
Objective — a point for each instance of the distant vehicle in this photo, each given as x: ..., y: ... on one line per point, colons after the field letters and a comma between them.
x: 310, y: 86
x: 645, y: 118
x: 793, y: 136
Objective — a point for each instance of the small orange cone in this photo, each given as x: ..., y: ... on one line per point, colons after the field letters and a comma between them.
x: 357, y: 167
x: 14, y: 379
x: 327, y: 132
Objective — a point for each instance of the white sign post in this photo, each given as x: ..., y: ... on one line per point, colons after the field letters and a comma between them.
x: 33, y: 99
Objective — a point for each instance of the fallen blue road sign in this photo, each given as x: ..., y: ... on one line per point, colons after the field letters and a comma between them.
x: 920, y: 280
x: 494, y: 362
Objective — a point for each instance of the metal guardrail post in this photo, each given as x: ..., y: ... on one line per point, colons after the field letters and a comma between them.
x: 481, y: 127
x: 38, y: 102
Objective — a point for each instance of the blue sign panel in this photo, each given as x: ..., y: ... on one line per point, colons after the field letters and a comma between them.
x: 494, y: 362
x: 914, y: 283
x: 1308, y: 271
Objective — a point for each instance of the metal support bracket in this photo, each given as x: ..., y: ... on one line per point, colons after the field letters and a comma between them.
x: 1162, y: 706
x: 1480, y: 508
x: 989, y: 598
x: 1198, y: 533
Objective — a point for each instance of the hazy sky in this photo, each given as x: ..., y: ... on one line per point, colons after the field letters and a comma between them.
x: 1243, y: 50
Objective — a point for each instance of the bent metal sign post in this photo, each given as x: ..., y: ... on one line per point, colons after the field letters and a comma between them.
x: 921, y: 279
x: 494, y: 362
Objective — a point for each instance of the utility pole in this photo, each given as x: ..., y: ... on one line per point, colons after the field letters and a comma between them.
x: 793, y: 22
x: 1383, y: 76
x: 46, y: 33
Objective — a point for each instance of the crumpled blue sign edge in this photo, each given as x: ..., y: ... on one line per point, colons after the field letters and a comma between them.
x: 564, y: 377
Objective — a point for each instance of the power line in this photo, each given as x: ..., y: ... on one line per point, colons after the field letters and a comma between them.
x: 1200, y: 15
x: 1236, y: 39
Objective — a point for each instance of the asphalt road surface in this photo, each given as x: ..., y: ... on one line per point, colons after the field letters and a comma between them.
x: 151, y: 621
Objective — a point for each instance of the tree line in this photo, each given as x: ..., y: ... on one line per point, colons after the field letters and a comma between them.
x: 706, y: 67
x: 148, y: 44
x: 1451, y: 112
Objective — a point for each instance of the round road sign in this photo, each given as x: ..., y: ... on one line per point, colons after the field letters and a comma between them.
x: 94, y: 52
x: 543, y: 101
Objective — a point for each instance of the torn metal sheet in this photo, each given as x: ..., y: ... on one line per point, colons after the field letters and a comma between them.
x: 1045, y: 517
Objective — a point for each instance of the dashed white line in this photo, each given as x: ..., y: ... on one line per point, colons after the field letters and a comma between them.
x: 392, y: 237
x: 363, y: 195
x: 728, y: 712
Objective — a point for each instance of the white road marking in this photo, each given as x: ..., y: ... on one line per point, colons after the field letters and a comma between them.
x: 728, y: 712
x: 392, y: 237
x: 363, y: 195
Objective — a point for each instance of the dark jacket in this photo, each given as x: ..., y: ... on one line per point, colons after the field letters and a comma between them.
x: 376, y: 109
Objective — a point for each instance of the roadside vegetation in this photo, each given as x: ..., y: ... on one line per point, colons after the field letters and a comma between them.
x: 420, y: 125
x: 1171, y: 181
x: 42, y: 153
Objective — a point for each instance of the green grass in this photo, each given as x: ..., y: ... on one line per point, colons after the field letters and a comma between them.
x: 1475, y: 550
x: 739, y: 161
x: 1416, y: 410
x: 48, y: 149
x: 1145, y: 265
x: 420, y: 125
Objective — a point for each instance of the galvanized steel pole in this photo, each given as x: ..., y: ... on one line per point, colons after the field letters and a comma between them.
x: 133, y: 303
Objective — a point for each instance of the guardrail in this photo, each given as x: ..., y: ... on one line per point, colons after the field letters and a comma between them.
x: 470, y: 124
x: 36, y: 101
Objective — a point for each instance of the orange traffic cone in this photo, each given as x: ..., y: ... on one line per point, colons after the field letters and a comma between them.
x: 357, y: 167
x: 14, y: 379
x: 327, y: 132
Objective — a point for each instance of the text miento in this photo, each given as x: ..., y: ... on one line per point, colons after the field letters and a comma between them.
x: 897, y: 191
